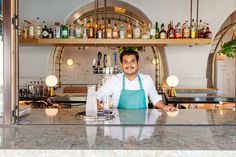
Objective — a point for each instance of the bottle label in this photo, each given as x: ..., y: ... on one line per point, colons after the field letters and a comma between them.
x: 58, y: 32
x: 137, y: 33
x: 163, y: 35
x: 152, y: 32
x: 78, y: 33
x: 109, y: 33
x: 115, y: 34
x: 31, y: 31
x: 45, y: 33
x: 64, y: 33
x: 122, y: 34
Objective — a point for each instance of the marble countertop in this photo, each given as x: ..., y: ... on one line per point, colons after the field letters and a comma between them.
x: 150, y: 135
x: 141, y: 117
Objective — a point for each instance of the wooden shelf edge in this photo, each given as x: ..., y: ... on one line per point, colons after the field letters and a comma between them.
x: 112, y: 42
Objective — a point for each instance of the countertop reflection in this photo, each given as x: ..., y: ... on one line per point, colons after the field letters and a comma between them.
x: 140, y: 117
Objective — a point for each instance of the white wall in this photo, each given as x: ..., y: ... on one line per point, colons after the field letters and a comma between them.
x: 188, y: 63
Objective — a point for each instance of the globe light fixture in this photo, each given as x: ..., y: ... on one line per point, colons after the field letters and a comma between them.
x: 69, y: 62
x: 172, y: 82
x: 51, y: 82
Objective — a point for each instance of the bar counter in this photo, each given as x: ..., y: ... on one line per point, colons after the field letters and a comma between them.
x: 149, y: 132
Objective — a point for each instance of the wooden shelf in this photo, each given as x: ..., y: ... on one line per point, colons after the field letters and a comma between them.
x: 112, y: 42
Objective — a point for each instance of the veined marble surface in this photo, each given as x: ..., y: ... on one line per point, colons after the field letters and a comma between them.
x: 104, y: 139
x: 144, y: 117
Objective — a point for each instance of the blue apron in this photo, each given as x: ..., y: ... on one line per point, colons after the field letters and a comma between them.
x: 132, y: 99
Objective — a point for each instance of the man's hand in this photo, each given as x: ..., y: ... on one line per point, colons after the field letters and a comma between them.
x: 169, y: 108
x: 166, y: 108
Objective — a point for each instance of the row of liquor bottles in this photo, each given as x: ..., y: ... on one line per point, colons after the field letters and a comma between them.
x: 34, y: 90
x: 84, y: 30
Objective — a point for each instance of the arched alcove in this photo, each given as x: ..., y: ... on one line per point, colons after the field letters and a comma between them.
x: 221, y: 72
x: 81, y: 71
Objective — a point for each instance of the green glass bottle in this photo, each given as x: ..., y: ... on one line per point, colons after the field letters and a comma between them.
x: 64, y: 31
x: 157, y: 36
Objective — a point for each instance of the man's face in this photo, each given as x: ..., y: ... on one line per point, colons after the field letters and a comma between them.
x: 130, y: 64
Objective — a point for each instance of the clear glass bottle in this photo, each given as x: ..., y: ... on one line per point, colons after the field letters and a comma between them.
x: 122, y: 31
x: 186, y: 30
x: 115, y: 32
x: 178, y: 31
x: 57, y: 30
x: 171, y: 31
x: 30, y: 29
x: 78, y: 29
x: 109, y: 30
x: 71, y: 31
x: 37, y: 29
x: 137, y: 32
x: 152, y: 31
x: 84, y: 26
x: 193, y: 29
x: 163, y: 34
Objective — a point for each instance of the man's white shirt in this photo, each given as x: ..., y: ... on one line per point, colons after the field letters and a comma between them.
x: 113, y: 87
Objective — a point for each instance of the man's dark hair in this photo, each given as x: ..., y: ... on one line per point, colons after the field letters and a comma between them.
x: 129, y: 52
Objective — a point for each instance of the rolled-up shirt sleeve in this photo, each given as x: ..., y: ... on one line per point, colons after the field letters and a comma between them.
x: 152, y: 92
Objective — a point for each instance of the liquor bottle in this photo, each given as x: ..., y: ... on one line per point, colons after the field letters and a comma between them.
x: 178, y: 31
x: 163, y: 34
x: 50, y: 33
x: 99, y: 32
x: 145, y: 32
x: 207, y: 33
x: 30, y: 29
x: 157, y: 35
x: 152, y: 31
x: 109, y: 30
x: 185, y: 30
x: 57, y: 30
x: 193, y: 29
x: 129, y: 32
x: 115, y: 32
x: 171, y: 31
x: 84, y: 26
x: 136, y: 31
x: 200, y: 30
x: 25, y: 30
x: 45, y: 30
x: 64, y: 31
x: 71, y: 31
x: 78, y: 29
x: 37, y: 29
x: 91, y: 29
x: 122, y: 31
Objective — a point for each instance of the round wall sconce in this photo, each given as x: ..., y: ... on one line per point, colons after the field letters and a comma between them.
x: 172, y: 81
x: 69, y: 62
x: 51, y: 82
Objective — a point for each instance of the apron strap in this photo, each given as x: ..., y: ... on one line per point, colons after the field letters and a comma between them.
x: 139, y: 80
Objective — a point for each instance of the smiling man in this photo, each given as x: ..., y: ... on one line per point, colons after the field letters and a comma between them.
x: 130, y: 90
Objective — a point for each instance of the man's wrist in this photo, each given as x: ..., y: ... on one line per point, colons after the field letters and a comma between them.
x: 160, y: 104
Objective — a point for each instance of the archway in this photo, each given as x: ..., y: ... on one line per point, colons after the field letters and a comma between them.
x: 128, y: 13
